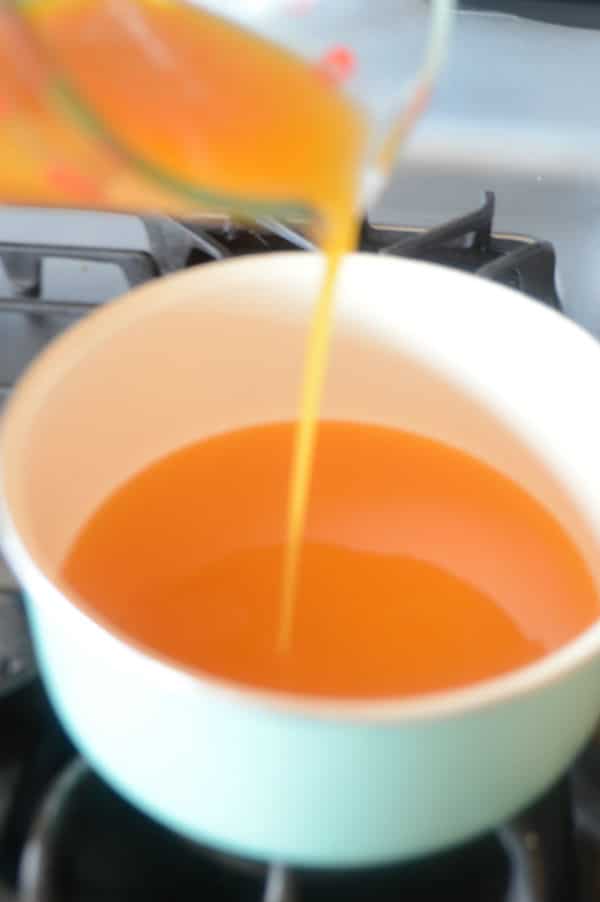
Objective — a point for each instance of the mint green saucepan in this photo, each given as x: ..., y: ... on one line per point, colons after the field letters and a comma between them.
x: 218, y: 347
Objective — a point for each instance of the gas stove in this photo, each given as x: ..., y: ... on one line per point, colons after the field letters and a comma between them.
x: 501, y: 179
x: 64, y: 835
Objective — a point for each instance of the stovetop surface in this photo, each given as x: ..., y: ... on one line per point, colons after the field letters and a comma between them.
x: 64, y: 835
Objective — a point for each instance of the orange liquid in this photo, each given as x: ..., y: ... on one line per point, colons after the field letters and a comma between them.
x: 195, y: 105
x: 186, y: 93
x: 423, y: 568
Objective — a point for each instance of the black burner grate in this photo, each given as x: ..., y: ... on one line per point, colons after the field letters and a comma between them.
x: 467, y: 243
x: 88, y: 844
x: 44, y: 288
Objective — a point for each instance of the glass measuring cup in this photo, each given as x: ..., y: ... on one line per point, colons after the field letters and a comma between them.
x: 142, y: 141
x: 386, y: 56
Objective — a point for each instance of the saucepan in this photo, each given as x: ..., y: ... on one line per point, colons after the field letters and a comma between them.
x: 256, y: 773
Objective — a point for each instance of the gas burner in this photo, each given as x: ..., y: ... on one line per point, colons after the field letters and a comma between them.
x: 67, y: 837
x: 78, y: 840
x: 87, y: 843
x: 468, y: 243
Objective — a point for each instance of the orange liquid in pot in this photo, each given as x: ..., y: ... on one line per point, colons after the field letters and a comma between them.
x: 422, y: 569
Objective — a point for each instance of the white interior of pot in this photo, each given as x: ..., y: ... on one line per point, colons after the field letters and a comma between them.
x: 222, y: 346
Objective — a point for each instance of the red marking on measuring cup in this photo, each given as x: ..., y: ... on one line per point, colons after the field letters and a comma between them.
x: 337, y: 64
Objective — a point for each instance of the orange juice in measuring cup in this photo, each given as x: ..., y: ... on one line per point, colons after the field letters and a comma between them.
x: 177, y: 107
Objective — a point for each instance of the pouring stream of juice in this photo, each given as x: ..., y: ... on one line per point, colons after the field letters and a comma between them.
x: 155, y: 105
